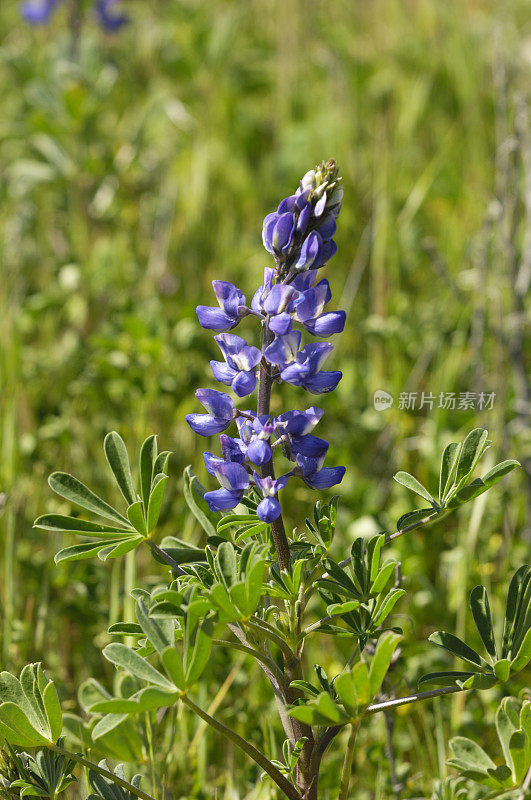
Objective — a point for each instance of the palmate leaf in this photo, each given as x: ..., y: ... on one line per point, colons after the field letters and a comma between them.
x: 513, y: 726
x: 125, y: 532
x: 181, y: 670
x: 516, y: 646
x: 455, y: 485
x: 30, y: 712
x: 346, y: 698
x: 106, y: 789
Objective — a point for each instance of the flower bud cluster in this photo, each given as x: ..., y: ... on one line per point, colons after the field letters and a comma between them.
x: 299, y: 235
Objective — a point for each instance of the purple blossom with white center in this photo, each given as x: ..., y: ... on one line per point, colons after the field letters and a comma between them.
x: 234, y: 480
x: 254, y: 438
x: 231, y: 308
x: 238, y: 369
x: 269, y: 509
x: 221, y: 413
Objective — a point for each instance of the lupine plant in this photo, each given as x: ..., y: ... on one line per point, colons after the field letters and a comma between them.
x: 249, y: 585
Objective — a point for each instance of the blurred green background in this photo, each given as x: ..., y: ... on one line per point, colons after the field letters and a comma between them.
x: 135, y: 169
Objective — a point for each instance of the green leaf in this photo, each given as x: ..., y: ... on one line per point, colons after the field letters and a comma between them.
x: 78, y: 552
x: 135, y: 513
x: 72, y: 489
x: 381, y: 661
x: 458, y: 648
x: 120, y: 548
x: 386, y: 606
x: 126, y: 629
x: 523, y: 656
x: 60, y: 523
x: 445, y: 678
x: 16, y: 729
x: 499, y: 471
x: 479, y: 603
x: 156, y: 632
x: 361, y: 683
x: 382, y: 578
x: 194, y: 495
x: 226, y: 564
x: 116, y: 453
x: 123, y: 656
x: 182, y: 552
x: 471, y: 754
x: 507, y: 722
x: 52, y: 707
x: 515, y: 599
x: 412, y: 483
x: 148, y: 455
x: 473, y: 447
x: 344, y: 687
x: 502, y: 669
x: 414, y: 517
x: 146, y: 699
x: 198, y: 646
x: 174, y: 667
x: 448, y: 465
x: 155, y: 501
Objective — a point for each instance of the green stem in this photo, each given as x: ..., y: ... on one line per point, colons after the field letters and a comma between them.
x: 101, y: 771
x: 274, y: 637
x: 256, y: 654
x: 347, y: 763
x: 412, y: 698
x: 281, y: 781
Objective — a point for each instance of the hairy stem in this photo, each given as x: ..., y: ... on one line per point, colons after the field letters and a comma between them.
x: 265, y: 384
x: 281, y: 781
x: 101, y: 771
x: 347, y: 763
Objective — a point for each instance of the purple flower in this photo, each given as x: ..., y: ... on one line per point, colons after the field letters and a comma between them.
x: 221, y: 413
x: 108, y: 15
x: 230, y: 451
x: 238, y: 369
x: 234, y: 480
x: 277, y: 232
x: 231, y: 308
x: 255, y: 435
x: 284, y: 349
x: 304, y: 370
x: 318, y: 477
x: 299, y: 423
x: 327, y: 324
x: 309, y: 446
x: 269, y: 508
x: 301, y: 367
x: 257, y: 303
x: 311, y: 253
x: 37, y: 12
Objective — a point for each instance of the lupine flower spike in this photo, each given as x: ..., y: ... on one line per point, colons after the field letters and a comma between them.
x: 299, y: 237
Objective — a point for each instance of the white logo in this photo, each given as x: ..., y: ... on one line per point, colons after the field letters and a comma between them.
x: 382, y: 400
